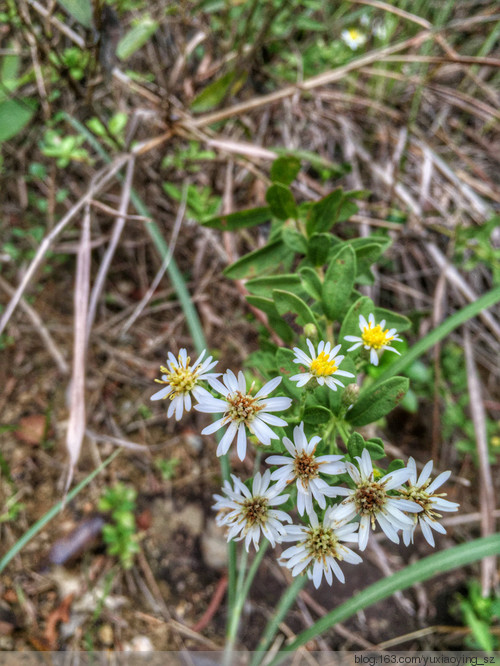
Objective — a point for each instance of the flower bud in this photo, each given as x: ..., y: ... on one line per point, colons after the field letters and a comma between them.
x: 310, y: 331
x: 350, y: 395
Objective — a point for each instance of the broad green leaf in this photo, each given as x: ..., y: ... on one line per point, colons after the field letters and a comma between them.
x: 375, y: 447
x: 355, y: 445
x: 287, y: 368
x: 294, y: 240
x: 318, y: 248
x: 323, y: 213
x: 241, y: 220
x: 263, y: 286
x: 366, y: 256
x: 255, y: 263
x: 14, y: 116
x: 350, y: 325
x: 9, y: 71
x: 288, y: 302
x: 136, y: 37
x: 268, y: 306
x: 339, y: 282
x: 311, y: 281
x: 281, y: 202
x: 285, y: 169
x: 377, y: 402
x: 80, y: 10
x: 316, y: 414
x: 392, y: 319
x: 346, y: 210
x: 216, y: 91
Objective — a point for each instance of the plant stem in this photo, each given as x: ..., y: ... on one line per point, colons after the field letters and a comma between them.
x: 242, y: 593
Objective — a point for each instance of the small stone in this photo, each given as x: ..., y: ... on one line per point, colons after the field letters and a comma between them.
x: 105, y: 634
x: 213, y: 545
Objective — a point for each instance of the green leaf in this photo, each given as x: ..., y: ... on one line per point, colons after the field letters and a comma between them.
x: 366, y: 256
x: 80, y: 10
x: 377, y: 402
x: 288, y: 302
x: 323, y: 213
x: 311, y: 281
x: 14, y: 116
x: 294, y: 240
x: 254, y: 263
x: 355, y: 445
x: 268, y: 306
x: 241, y: 220
x: 339, y: 282
x: 392, y: 319
x: 350, y: 325
x: 216, y: 91
x: 318, y: 248
x: 375, y: 447
x: 136, y: 37
x: 285, y: 169
x: 281, y: 202
x: 287, y: 368
x: 346, y: 210
x: 316, y: 414
x: 263, y: 286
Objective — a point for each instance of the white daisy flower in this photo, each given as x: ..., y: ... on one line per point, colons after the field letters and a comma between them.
x: 242, y: 410
x: 421, y: 491
x: 319, y: 548
x: 321, y: 366
x: 182, y: 380
x: 353, y: 38
x: 371, y: 502
x: 305, y: 468
x: 373, y: 337
x: 248, y: 514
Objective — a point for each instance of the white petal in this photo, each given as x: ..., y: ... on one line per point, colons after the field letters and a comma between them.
x: 227, y: 439
x: 241, y: 446
x: 161, y: 395
x: 269, y: 387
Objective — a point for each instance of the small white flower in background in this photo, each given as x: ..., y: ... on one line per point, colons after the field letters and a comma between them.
x: 182, y: 380
x: 242, y: 410
x: 305, y: 468
x: 319, y: 548
x: 248, y: 514
x: 353, y: 38
x: 379, y: 30
x: 422, y: 491
x: 373, y: 337
x: 371, y: 502
x: 322, y: 366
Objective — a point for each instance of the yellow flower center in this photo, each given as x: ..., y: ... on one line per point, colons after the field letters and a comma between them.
x: 181, y: 379
x: 375, y: 337
x: 420, y: 496
x: 354, y: 34
x: 322, y: 366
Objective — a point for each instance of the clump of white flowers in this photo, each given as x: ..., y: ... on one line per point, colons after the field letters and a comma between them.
x: 340, y: 497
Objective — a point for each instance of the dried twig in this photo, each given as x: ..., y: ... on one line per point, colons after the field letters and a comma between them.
x: 40, y: 328
x: 76, y: 423
x: 115, y: 237
x: 101, y: 179
x: 486, y: 492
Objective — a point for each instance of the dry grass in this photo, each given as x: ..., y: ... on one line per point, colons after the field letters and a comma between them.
x: 421, y: 131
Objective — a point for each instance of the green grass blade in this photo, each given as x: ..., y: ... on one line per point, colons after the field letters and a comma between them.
x: 427, y: 568
x: 454, y: 321
x: 44, y: 520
